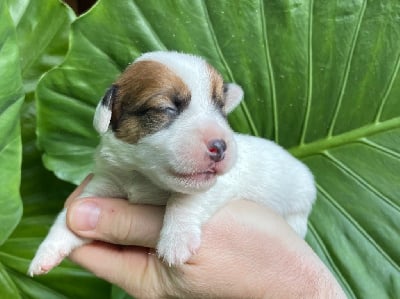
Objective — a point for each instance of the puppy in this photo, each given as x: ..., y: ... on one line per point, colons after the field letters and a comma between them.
x: 165, y: 140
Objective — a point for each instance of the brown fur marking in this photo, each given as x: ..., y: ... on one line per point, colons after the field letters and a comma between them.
x: 145, y: 89
x: 217, y: 87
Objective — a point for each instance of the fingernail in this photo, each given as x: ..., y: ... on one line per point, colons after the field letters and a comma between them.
x: 85, y: 216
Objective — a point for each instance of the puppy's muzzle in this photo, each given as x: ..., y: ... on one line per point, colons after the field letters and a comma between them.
x: 216, y: 149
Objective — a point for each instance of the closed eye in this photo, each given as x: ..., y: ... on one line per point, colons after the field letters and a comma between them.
x: 171, y: 111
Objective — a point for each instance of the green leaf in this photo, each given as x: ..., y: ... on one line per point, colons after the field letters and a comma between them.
x: 11, y: 97
x: 42, y: 29
x: 118, y: 293
x: 321, y: 78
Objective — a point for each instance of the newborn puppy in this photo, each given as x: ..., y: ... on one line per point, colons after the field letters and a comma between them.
x: 165, y: 140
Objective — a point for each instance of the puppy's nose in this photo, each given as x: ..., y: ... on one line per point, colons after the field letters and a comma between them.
x: 216, y: 149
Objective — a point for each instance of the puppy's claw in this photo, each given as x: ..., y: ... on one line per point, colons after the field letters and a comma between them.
x: 33, y: 271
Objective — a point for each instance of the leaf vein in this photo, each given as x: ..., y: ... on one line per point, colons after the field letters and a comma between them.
x: 357, y: 226
x: 243, y: 105
x: 272, y: 82
x: 322, y: 247
x: 310, y: 75
x: 360, y: 180
x: 347, y: 69
x: 100, y: 50
x: 149, y: 26
x: 388, y: 90
x: 380, y: 148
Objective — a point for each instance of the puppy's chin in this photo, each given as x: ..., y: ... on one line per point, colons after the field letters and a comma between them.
x: 191, y: 183
x: 190, y: 178
x: 195, y: 177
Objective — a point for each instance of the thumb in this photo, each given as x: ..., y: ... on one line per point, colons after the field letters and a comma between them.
x: 116, y: 221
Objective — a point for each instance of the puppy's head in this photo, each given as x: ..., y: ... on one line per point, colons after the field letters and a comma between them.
x: 167, y: 114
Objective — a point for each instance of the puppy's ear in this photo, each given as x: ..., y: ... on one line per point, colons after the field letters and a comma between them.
x: 233, y: 96
x: 102, y: 116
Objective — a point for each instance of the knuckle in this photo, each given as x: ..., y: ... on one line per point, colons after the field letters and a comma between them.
x: 125, y: 230
x: 117, y: 226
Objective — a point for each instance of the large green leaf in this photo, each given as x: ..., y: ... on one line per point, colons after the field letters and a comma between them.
x: 11, y: 97
x: 42, y: 28
x: 321, y: 78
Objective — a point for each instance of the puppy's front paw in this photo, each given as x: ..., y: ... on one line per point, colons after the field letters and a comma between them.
x: 176, y: 246
x: 47, y: 257
x: 58, y: 244
x: 52, y: 251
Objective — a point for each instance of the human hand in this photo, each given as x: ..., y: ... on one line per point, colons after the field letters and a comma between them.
x: 247, y: 251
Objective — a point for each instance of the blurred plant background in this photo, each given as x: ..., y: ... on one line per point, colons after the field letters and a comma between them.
x: 321, y: 78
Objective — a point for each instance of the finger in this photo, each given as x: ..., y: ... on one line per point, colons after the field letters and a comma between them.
x: 116, y: 221
x: 132, y: 268
x: 78, y: 190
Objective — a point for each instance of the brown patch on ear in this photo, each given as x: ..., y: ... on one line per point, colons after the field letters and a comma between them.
x: 217, y: 87
x: 147, y: 91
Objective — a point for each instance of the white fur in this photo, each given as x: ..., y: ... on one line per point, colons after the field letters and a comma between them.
x: 167, y: 168
x: 102, y: 118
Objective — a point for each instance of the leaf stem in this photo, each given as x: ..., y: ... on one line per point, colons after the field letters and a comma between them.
x: 335, y: 141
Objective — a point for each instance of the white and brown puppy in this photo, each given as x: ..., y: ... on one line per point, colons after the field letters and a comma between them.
x: 165, y: 140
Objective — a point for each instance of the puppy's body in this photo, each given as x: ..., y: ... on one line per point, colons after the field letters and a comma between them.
x: 166, y: 141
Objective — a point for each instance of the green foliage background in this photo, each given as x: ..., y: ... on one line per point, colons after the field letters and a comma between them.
x: 320, y: 77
